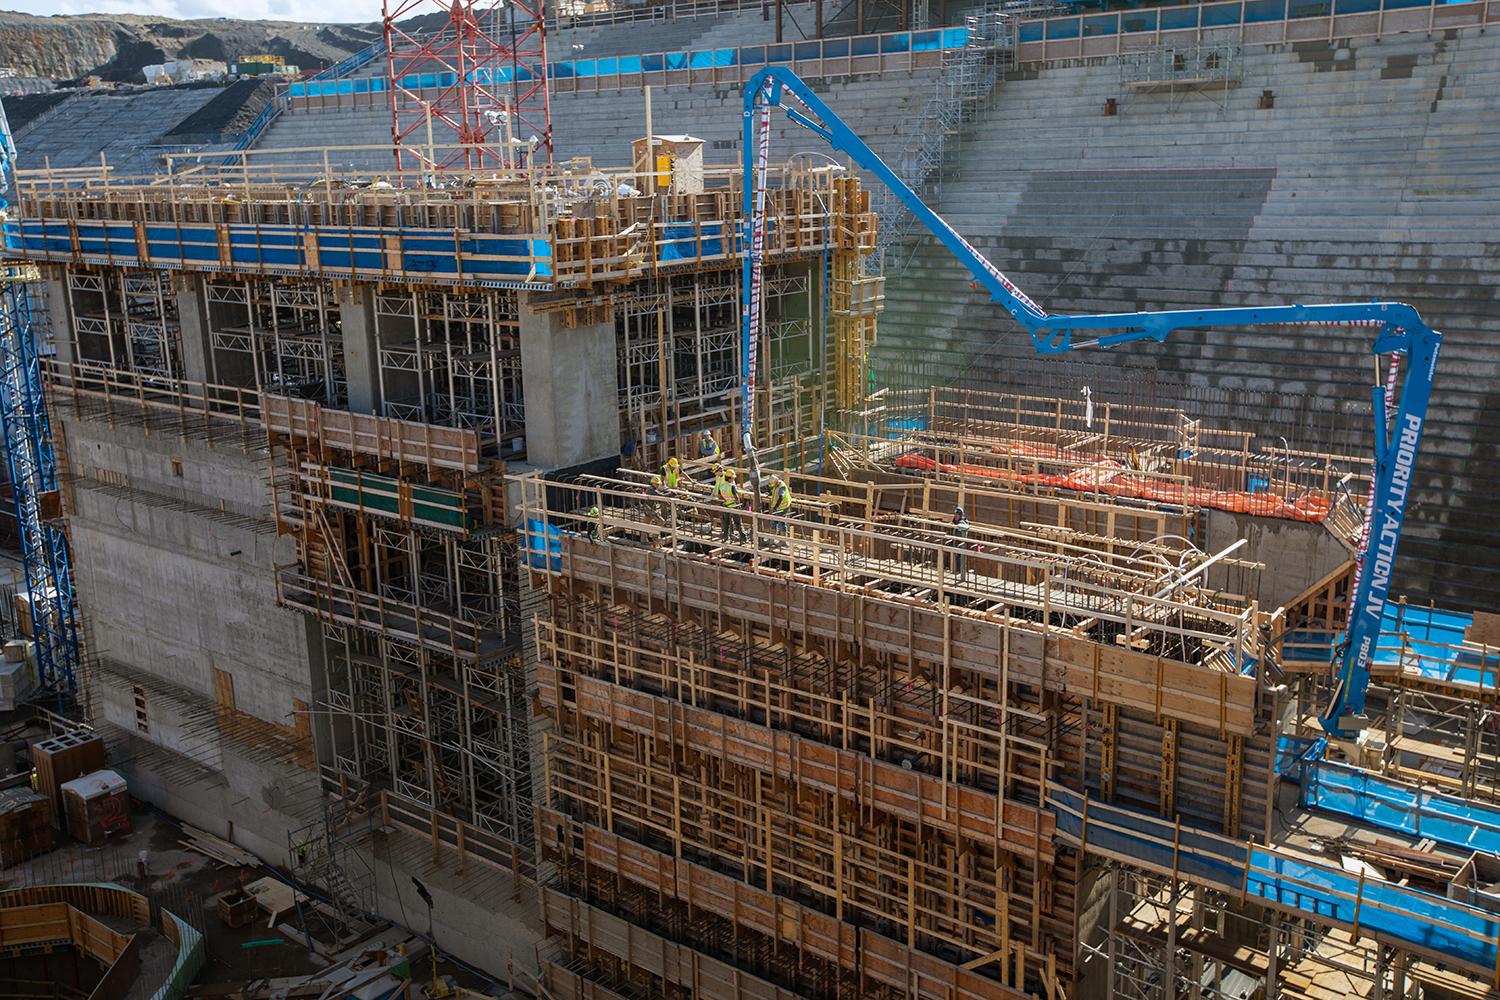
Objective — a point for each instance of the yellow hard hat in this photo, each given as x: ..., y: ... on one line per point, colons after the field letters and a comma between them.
x: 672, y: 461
x: 729, y: 473
x: 656, y: 480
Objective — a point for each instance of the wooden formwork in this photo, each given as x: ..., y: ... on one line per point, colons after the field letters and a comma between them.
x: 808, y: 717
x: 576, y: 228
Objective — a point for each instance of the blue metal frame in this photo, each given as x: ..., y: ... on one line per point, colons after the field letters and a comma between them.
x: 1400, y: 329
x: 27, y: 435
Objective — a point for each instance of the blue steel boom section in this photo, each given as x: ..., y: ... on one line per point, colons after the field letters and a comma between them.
x: 33, y: 470
x: 1399, y: 329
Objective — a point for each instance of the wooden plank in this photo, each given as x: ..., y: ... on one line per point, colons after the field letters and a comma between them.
x: 1484, y: 629
x: 1186, y: 692
x: 911, y: 794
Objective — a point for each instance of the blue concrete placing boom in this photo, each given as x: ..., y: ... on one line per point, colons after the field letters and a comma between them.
x: 1398, y: 329
x: 29, y: 454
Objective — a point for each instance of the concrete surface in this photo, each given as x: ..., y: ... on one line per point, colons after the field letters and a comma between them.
x: 570, y: 380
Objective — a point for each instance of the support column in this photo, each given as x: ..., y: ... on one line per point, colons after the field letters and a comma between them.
x: 361, y: 353
x: 192, y: 323
x: 60, y: 310
x: 570, y: 382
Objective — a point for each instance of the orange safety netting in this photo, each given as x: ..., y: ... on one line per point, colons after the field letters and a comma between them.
x: 1109, y: 476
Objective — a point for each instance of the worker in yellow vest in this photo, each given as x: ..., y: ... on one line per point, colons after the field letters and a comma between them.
x: 781, y: 504
x: 671, y: 473
x: 727, y: 494
x: 708, y: 448
x: 658, y: 505
x: 781, y: 496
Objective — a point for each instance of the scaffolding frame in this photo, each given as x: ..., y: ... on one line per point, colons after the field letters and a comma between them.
x: 483, y: 75
x: 277, y: 337
x: 452, y: 359
x: 126, y: 320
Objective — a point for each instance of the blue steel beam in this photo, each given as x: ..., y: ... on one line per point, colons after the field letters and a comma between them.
x: 1400, y: 329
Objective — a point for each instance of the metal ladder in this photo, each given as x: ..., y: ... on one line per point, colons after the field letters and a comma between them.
x: 969, y: 75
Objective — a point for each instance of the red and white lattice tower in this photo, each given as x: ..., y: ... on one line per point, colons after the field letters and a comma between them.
x: 469, y: 93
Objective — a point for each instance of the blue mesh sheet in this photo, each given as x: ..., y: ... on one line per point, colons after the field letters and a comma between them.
x: 682, y: 243
x: 1431, y: 922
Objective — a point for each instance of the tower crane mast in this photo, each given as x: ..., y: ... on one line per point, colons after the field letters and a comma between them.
x: 32, y: 462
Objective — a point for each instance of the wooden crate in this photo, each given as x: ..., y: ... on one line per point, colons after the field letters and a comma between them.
x: 60, y: 759
x: 237, y: 908
x: 25, y: 825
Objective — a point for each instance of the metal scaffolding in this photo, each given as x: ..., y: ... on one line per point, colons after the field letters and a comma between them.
x: 481, y: 77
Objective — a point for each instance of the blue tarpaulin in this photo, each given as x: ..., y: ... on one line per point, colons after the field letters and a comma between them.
x: 1394, y: 805
x: 543, y: 545
x: 1398, y: 914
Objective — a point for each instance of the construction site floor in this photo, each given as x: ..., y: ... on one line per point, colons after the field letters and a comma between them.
x: 181, y: 881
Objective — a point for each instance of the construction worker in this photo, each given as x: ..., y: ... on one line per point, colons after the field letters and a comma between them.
x: 658, y: 506
x: 961, y: 533
x: 781, y: 504
x: 708, y: 448
x: 596, y: 532
x: 660, y: 495
x: 728, y: 495
x: 672, y: 473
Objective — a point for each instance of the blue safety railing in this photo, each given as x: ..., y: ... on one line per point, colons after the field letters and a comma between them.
x: 1416, y: 643
x: 1407, y: 918
x: 1205, y: 16
x: 1395, y: 805
x: 936, y: 40
x: 246, y: 139
x: 351, y: 63
x: 1432, y: 644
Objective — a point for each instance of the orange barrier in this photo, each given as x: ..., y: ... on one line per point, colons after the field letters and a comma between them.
x: 1110, y: 477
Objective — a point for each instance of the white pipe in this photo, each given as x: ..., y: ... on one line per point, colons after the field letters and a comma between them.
x: 1199, y: 569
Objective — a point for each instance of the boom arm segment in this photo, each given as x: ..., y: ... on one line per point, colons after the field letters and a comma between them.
x: 1400, y: 329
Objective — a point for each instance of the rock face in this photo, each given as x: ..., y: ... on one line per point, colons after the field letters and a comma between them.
x: 116, y: 46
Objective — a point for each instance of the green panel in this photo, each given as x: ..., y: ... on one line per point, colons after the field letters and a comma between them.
x: 381, y: 494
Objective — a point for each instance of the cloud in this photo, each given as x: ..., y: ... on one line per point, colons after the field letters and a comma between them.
x: 315, y: 11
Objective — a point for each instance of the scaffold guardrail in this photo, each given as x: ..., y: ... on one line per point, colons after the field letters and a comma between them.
x: 1422, y: 923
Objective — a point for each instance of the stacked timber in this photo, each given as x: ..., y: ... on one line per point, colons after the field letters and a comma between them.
x: 60, y: 759
x: 25, y: 825
x: 216, y: 849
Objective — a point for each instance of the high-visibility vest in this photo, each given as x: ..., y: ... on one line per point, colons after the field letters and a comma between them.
x: 782, y: 501
x: 709, y: 448
x: 724, y: 490
x: 669, y: 475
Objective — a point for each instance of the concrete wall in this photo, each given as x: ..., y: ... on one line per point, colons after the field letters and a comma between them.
x: 173, y: 551
x: 1371, y: 177
x: 1297, y: 554
x: 485, y: 918
x: 570, y: 378
x: 176, y: 574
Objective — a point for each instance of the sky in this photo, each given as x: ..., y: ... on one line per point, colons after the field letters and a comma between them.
x: 324, y: 11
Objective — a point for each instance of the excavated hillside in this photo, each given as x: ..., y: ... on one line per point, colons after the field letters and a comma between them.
x: 116, y: 46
